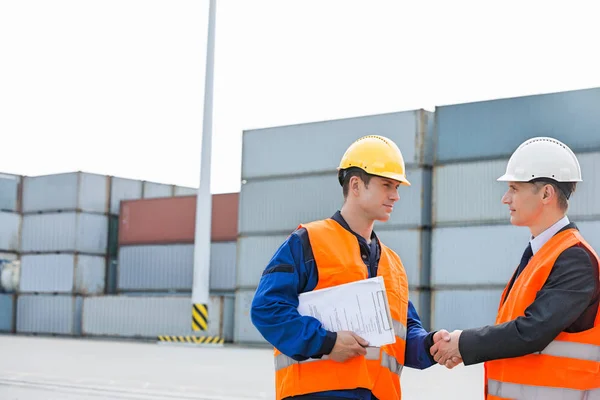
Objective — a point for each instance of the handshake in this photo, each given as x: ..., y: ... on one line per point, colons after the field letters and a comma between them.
x: 445, y: 348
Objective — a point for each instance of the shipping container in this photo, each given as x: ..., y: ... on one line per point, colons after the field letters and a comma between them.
x: 470, y: 193
x: 494, y: 129
x: 123, y: 189
x: 476, y: 255
x: 74, y: 191
x: 223, y: 257
x: 65, y: 232
x: 147, y: 316
x: 154, y: 190
x: 8, y: 256
x: 254, y: 253
x: 421, y: 300
x: 228, y: 317
x: 590, y: 230
x: 464, y: 308
x: 185, y: 191
x: 49, y: 314
x: 156, y: 267
x: 62, y: 273
x: 10, y: 226
x: 322, y: 144
x: 245, y: 331
x: 280, y: 205
x: 7, y: 313
x: 9, y: 192
x: 112, y: 246
x: 173, y: 220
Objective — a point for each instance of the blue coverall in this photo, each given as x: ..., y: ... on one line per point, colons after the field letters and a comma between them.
x: 291, y: 271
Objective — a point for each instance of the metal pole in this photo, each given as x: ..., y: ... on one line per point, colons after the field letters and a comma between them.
x: 200, y: 288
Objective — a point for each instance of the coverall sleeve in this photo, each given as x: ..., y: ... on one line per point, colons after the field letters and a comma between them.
x: 274, y: 307
x: 418, y: 342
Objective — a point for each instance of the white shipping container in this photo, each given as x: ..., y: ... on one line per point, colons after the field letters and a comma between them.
x: 49, y: 314
x: 465, y: 308
x: 590, y: 230
x: 154, y: 190
x: 280, y: 205
x: 222, y: 265
x: 322, y: 144
x: 254, y: 253
x: 147, y: 316
x: 7, y: 312
x: 476, y: 255
x: 245, y: 331
x: 62, y: 273
x: 10, y: 225
x: 66, y: 192
x: 412, y: 246
x: 66, y: 232
x: 123, y: 189
x: 9, y: 192
x: 185, y: 191
x: 470, y: 193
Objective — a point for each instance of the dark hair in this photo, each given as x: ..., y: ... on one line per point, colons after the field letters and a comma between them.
x: 563, y: 190
x: 345, y: 175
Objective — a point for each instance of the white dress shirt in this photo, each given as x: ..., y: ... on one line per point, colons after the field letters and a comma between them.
x: 542, y: 238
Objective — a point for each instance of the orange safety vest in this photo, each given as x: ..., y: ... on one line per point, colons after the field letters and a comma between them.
x: 569, y: 367
x: 338, y: 259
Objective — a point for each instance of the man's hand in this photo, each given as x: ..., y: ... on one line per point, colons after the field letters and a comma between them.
x: 348, y: 345
x: 445, y: 352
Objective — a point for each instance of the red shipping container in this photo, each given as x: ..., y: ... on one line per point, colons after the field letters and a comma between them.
x: 173, y: 220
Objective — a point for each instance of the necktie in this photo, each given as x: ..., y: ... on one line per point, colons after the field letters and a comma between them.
x: 527, y: 254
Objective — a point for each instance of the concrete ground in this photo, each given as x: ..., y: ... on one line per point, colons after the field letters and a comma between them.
x: 44, y: 368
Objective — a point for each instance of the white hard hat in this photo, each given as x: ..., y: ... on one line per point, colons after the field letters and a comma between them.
x: 542, y: 157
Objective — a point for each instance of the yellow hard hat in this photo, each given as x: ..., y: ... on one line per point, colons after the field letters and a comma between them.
x: 376, y: 155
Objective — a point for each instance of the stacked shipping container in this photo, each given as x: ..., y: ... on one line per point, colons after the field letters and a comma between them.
x: 475, y: 250
x: 10, y: 227
x: 297, y: 183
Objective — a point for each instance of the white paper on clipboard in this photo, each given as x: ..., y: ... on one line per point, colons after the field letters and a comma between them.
x: 361, y: 307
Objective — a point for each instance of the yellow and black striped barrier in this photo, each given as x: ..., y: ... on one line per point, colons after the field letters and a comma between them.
x: 199, y: 317
x: 192, y: 339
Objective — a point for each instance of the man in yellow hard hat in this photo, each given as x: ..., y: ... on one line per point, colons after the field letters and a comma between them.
x: 310, y: 361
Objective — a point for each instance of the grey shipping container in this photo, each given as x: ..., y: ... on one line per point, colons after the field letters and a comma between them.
x: 62, y: 273
x: 185, y: 191
x: 476, y: 255
x: 228, y: 317
x: 147, y: 316
x: 494, y: 129
x: 590, y: 230
x: 8, y: 256
x: 254, y: 253
x: 7, y: 312
x: 266, y: 208
x: 154, y: 190
x: 123, y: 189
x: 66, y: 192
x: 9, y: 192
x: 10, y: 225
x: 222, y: 266
x: 470, y: 193
x: 156, y: 267
x: 245, y: 331
x: 49, y: 314
x: 465, y: 308
x: 322, y: 144
x: 66, y: 232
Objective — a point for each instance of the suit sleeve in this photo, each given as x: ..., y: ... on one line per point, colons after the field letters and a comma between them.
x: 568, y: 291
x: 274, y: 306
x: 418, y: 342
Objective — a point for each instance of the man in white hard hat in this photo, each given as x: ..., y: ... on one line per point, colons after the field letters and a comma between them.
x: 546, y: 340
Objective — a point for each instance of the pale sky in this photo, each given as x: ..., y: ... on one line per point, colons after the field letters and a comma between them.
x: 116, y: 86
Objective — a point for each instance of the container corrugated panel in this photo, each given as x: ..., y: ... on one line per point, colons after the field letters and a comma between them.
x: 222, y: 265
x: 465, y: 308
x: 413, y: 248
x: 185, y: 191
x: 421, y: 300
x: 156, y: 267
x: 477, y: 182
x: 228, y: 317
x: 476, y: 255
x: 494, y: 129
x: 154, y: 190
x: 71, y: 191
x: 7, y: 312
x: 224, y: 219
x: 590, y: 230
x: 322, y: 144
x: 9, y: 192
x: 10, y: 225
x: 123, y: 189
x: 265, y: 208
x: 112, y: 246
x: 62, y: 273
x: 149, y: 317
x: 40, y: 313
x: 67, y: 232
x: 244, y: 330
x: 254, y: 253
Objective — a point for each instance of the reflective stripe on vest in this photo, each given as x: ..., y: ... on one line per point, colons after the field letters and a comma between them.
x: 520, y: 392
x: 581, y: 351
